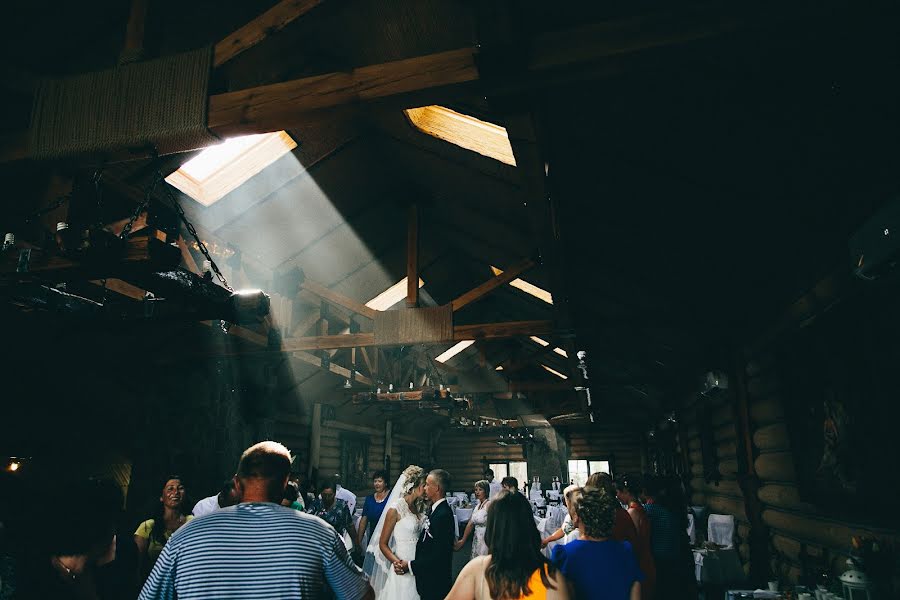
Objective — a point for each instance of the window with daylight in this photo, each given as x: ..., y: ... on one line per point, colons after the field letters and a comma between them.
x: 514, y: 468
x: 466, y: 132
x: 580, y: 470
x: 222, y: 168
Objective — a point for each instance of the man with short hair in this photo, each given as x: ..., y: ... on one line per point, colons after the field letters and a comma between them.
x: 433, y: 565
x: 227, y: 496
x: 495, y: 485
x: 256, y: 549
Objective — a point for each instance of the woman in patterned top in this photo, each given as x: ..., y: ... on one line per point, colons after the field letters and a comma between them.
x: 335, y: 512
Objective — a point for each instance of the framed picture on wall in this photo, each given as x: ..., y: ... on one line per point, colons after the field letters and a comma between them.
x: 837, y: 379
x: 355, y: 462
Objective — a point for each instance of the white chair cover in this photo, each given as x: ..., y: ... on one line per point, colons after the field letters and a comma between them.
x: 721, y: 530
x: 692, y: 529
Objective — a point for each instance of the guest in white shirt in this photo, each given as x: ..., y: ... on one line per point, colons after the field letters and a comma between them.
x: 227, y: 496
x: 345, y: 495
x: 495, y: 485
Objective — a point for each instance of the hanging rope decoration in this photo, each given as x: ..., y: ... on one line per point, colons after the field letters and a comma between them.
x: 160, y: 103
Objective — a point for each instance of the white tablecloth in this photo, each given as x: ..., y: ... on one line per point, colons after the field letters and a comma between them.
x: 463, y: 515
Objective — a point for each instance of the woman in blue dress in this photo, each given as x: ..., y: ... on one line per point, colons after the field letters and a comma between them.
x: 373, y: 506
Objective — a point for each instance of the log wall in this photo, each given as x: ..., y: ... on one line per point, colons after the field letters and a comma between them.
x: 802, y: 540
x: 462, y: 453
x: 294, y: 432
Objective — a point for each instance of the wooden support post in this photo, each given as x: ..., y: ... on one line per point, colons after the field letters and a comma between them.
x: 412, y: 257
x: 748, y: 480
x: 372, y: 371
x: 186, y: 257
x: 315, y: 440
x: 388, y: 445
x: 489, y: 286
x: 134, y: 34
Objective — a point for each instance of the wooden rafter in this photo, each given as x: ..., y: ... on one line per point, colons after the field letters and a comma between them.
x: 338, y: 299
x: 332, y: 368
x: 274, y: 19
x: 289, y: 104
x: 460, y: 332
x: 492, y: 284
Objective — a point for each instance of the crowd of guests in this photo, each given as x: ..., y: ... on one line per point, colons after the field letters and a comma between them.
x: 621, y: 540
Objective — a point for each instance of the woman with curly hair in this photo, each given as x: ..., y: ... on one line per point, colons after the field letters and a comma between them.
x: 515, y: 567
x: 598, y: 567
x: 396, y: 535
x: 478, y: 521
x: 152, y: 534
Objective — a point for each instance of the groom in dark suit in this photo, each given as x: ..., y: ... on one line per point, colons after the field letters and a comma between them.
x: 433, y: 565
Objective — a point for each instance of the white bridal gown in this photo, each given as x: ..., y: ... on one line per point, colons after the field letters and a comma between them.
x: 403, y: 544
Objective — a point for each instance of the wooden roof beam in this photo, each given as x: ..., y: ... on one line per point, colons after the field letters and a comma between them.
x: 337, y: 299
x: 492, y: 284
x: 460, y: 332
x: 275, y: 19
x: 283, y: 105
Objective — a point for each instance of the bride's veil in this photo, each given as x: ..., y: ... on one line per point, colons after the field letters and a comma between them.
x: 376, y: 566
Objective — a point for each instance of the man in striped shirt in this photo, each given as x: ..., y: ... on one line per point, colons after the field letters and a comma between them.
x: 256, y: 549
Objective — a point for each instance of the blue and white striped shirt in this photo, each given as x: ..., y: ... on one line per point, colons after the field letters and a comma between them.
x: 254, y: 550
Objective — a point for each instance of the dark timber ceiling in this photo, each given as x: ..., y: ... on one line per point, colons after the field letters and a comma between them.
x: 699, y: 189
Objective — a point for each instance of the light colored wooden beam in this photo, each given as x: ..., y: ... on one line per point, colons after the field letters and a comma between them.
x: 122, y: 287
x: 501, y: 330
x: 338, y: 299
x: 311, y: 319
x: 274, y: 19
x: 186, y: 257
x: 369, y: 365
x: 460, y: 332
x: 333, y: 368
x: 328, y: 342
x: 412, y: 257
x: 492, y: 284
x: 279, y: 105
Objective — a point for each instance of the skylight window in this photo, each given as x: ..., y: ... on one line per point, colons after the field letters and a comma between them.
x: 554, y: 371
x: 222, y: 168
x: 454, y: 351
x: 466, y: 132
x: 545, y: 343
x: 390, y: 296
x: 528, y: 288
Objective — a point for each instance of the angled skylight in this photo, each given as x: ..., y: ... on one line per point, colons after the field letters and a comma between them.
x: 499, y: 368
x: 554, y: 371
x: 528, y: 288
x: 391, y: 296
x: 220, y: 169
x: 451, y: 352
x: 466, y: 132
x: 545, y: 343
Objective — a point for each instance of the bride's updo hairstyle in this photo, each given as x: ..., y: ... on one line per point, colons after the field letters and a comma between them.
x: 415, y: 475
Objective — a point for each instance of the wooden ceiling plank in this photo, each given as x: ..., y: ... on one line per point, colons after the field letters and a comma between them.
x: 338, y: 299
x: 254, y: 32
x: 492, y: 284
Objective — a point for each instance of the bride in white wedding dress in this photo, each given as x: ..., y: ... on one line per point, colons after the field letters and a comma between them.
x: 394, y: 538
